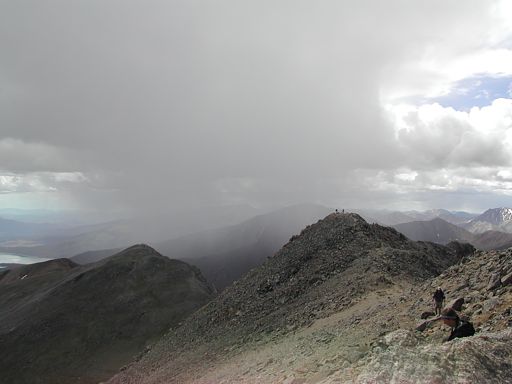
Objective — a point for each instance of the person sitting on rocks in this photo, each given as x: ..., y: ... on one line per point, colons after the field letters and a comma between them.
x: 460, y: 327
x: 438, y: 298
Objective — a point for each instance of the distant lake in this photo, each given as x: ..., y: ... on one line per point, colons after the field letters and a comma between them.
x: 9, y: 258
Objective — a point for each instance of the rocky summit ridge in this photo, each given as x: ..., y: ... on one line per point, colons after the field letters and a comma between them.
x: 317, y: 303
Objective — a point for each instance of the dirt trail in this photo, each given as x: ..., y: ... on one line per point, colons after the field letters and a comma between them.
x: 313, y: 353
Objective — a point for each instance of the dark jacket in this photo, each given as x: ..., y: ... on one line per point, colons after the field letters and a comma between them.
x: 463, y: 329
x: 438, y: 295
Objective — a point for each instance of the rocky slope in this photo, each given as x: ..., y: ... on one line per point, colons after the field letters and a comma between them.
x: 30, y: 271
x: 312, y: 308
x: 481, y: 286
x: 492, y: 240
x: 63, y: 323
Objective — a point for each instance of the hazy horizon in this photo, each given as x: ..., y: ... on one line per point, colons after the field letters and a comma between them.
x: 125, y: 109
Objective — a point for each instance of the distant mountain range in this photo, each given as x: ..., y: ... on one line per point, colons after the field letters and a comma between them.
x: 13, y: 229
x: 54, y: 241
x: 63, y: 323
x: 436, y: 230
x: 442, y: 232
x: 225, y: 254
x: 386, y: 217
x: 496, y: 219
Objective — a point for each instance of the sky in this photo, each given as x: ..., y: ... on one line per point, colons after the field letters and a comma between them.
x: 149, y: 106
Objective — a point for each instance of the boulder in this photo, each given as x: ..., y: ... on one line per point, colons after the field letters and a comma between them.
x: 477, y: 359
x: 494, y: 281
x: 456, y: 304
x: 424, y: 325
x: 427, y: 314
x: 507, y: 279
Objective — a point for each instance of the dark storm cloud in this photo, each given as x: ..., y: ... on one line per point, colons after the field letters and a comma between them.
x: 184, y: 102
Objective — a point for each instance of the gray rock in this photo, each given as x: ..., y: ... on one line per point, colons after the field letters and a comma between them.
x: 423, y: 325
x: 456, y: 304
x: 506, y: 280
x: 427, y: 314
x: 490, y: 304
x: 494, y: 281
x: 472, y: 359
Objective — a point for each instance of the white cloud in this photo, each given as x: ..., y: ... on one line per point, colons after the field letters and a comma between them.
x: 433, y: 137
x: 39, y: 182
x: 478, y: 43
x: 254, y: 102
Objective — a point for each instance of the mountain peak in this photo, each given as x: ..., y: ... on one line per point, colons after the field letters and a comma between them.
x: 136, y: 252
x: 496, y: 215
x: 349, y: 218
x: 92, y: 318
x: 337, y: 230
x: 497, y: 219
x: 140, y: 248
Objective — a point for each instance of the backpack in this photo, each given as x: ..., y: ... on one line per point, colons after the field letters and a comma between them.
x: 463, y: 330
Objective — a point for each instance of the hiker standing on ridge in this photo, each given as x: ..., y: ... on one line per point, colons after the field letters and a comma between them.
x: 438, y: 299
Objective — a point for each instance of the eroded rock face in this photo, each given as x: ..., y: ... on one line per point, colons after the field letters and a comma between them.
x: 402, y: 357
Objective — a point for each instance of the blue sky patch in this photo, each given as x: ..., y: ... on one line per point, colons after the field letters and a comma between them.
x: 477, y: 91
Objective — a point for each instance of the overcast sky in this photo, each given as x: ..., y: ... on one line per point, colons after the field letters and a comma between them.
x: 152, y: 105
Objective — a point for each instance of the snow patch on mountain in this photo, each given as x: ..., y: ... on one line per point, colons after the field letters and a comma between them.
x: 498, y: 219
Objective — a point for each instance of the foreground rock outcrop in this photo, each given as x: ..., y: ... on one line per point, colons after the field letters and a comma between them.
x: 62, y: 323
x: 479, y: 287
x: 404, y: 357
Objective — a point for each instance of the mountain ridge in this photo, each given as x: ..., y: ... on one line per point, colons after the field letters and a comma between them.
x: 442, y: 232
x: 366, y: 336
x: 497, y: 219
x: 329, y: 267
x: 84, y: 323
x: 226, y: 254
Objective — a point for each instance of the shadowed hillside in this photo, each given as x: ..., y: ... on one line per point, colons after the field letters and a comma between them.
x: 224, y: 255
x: 436, y: 230
x: 62, y: 323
